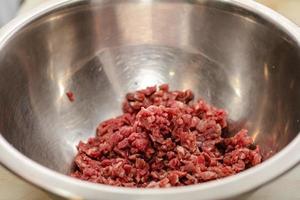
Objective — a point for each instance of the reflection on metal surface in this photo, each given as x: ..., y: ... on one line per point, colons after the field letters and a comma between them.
x: 228, y: 52
x: 171, y: 73
x: 255, y: 134
x: 237, y: 87
x: 61, y: 89
x: 266, y: 72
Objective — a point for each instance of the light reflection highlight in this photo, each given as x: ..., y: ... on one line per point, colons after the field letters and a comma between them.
x: 61, y: 88
x: 266, y: 72
x: 171, y: 73
x: 237, y: 86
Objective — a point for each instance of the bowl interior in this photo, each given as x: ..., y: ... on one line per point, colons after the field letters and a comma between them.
x: 229, y: 56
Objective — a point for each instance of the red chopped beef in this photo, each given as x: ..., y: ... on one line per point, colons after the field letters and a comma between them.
x: 164, y: 139
x: 70, y: 96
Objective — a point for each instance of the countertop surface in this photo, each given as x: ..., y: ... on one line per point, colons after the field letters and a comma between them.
x: 285, y: 187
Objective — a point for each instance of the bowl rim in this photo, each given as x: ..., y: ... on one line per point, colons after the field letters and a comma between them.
x: 69, y: 187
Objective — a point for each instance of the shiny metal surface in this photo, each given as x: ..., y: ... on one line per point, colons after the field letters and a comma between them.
x: 237, y: 55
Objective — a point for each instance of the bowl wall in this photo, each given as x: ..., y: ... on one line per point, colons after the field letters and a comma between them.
x: 99, y: 50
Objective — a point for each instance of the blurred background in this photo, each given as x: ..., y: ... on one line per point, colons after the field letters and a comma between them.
x: 13, y: 188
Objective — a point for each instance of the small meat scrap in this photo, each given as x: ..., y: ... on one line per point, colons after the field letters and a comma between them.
x: 70, y: 96
x: 164, y: 139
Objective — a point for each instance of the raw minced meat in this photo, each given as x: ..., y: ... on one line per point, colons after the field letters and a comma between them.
x: 70, y: 96
x: 164, y: 139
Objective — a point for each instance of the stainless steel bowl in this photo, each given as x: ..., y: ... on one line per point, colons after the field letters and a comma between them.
x: 236, y: 54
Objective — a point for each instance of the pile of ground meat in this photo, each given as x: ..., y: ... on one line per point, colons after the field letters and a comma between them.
x: 164, y: 139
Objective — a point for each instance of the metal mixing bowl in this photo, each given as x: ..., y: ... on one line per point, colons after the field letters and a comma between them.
x: 236, y: 54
